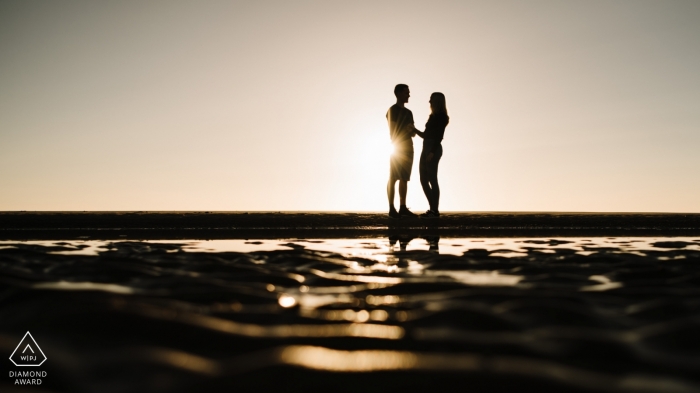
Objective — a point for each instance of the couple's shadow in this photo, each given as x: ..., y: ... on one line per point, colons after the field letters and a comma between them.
x: 403, y: 240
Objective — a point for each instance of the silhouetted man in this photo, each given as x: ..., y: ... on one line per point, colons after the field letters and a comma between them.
x: 401, y: 130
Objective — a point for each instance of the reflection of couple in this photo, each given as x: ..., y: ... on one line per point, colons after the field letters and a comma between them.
x: 401, y: 130
x: 433, y: 242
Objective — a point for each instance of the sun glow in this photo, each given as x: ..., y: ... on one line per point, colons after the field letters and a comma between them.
x: 364, y: 159
x: 371, y: 168
x: 377, y: 151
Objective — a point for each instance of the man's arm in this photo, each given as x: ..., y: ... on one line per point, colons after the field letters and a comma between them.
x: 392, y: 124
x: 411, y: 126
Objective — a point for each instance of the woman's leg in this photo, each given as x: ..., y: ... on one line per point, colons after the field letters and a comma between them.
x: 424, y: 169
x: 435, y: 188
x: 433, y: 180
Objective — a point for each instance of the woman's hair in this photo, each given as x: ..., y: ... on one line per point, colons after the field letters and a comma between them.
x: 439, y: 105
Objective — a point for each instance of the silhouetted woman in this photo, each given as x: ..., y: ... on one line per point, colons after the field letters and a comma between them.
x: 432, y: 152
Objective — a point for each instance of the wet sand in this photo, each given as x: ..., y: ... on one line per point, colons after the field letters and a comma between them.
x: 383, y: 314
x: 236, y: 225
x: 397, y: 307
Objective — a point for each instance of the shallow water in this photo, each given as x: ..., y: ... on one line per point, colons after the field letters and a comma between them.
x: 611, y: 314
x: 382, y: 248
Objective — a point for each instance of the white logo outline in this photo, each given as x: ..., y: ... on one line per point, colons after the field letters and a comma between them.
x: 37, y: 347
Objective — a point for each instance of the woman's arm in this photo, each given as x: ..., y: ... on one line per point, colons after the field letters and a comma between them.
x: 419, y: 133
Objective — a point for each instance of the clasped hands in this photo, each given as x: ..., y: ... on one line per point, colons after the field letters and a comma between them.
x: 421, y: 134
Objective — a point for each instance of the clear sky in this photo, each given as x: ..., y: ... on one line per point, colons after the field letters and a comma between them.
x: 279, y: 105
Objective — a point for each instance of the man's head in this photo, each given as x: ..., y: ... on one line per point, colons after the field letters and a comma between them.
x: 402, y: 93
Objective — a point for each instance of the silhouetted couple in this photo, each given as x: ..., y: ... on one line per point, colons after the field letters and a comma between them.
x: 401, y: 130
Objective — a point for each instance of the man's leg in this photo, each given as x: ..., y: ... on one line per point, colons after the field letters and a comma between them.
x: 403, y: 210
x: 403, y: 188
x: 390, y: 192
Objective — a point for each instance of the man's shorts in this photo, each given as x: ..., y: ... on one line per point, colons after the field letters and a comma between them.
x: 401, y: 161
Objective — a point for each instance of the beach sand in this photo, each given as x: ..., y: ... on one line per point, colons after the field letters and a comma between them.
x: 375, y: 313
x: 236, y: 225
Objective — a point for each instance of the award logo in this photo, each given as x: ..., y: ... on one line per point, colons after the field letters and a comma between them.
x: 28, y: 353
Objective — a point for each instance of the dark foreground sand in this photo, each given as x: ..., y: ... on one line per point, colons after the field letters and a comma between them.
x: 583, y: 315
x: 158, y: 317
x: 222, y: 225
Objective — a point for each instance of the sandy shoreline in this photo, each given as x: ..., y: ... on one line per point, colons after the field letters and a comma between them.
x: 219, y: 225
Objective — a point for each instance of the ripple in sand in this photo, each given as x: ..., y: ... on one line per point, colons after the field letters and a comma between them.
x: 593, y: 314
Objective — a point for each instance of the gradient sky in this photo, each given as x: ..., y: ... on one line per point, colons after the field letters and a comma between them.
x: 279, y: 105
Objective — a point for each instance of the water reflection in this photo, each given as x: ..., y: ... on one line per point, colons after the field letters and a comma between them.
x: 403, y: 241
x: 379, y: 248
